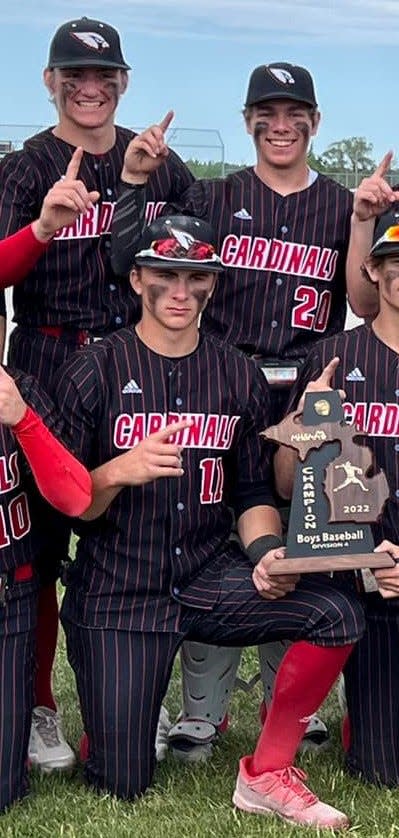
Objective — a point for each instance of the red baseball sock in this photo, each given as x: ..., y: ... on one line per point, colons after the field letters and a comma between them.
x: 346, y: 733
x: 46, y: 643
x: 304, y: 679
x: 84, y: 747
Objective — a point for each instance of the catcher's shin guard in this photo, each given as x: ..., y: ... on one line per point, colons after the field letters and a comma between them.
x: 208, y: 676
x: 270, y: 657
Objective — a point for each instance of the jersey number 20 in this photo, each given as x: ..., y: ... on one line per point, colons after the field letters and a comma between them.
x: 313, y: 309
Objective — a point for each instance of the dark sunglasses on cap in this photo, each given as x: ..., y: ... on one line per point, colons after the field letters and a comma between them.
x: 171, y: 248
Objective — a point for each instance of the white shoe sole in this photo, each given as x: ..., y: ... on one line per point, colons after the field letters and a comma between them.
x: 253, y: 809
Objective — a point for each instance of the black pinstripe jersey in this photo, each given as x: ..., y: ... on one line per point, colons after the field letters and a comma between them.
x: 284, y: 280
x: 369, y: 374
x: 20, y: 502
x: 73, y: 283
x: 136, y: 559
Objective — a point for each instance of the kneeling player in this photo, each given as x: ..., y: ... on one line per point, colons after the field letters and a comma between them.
x: 368, y: 372
x: 169, y: 420
x: 31, y: 458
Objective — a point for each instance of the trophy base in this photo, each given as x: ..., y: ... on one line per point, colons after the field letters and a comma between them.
x: 324, y: 564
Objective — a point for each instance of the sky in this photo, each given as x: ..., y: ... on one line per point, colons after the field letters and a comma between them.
x: 195, y: 56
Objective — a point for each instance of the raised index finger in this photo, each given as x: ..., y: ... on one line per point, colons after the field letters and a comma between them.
x: 328, y: 372
x: 74, y: 164
x: 165, y: 122
x: 383, y: 167
x: 172, y: 428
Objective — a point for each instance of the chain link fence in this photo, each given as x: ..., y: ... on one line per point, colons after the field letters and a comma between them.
x: 191, y: 143
x: 204, y: 144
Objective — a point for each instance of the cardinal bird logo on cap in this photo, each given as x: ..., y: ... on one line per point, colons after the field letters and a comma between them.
x: 92, y: 40
x: 283, y: 76
x: 185, y: 239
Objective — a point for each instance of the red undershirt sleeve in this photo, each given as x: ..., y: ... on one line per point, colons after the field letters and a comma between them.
x: 61, y: 479
x: 18, y: 254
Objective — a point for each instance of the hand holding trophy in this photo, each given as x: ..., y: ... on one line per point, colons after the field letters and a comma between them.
x: 336, y: 495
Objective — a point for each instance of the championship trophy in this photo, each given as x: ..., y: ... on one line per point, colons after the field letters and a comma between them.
x: 337, y: 492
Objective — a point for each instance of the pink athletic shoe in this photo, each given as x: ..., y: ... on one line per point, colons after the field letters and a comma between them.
x: 284, y: 793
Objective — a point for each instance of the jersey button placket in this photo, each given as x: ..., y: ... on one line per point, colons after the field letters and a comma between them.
x: 104, y: 186
x: 177, y: 506
x: 179, y: 402
x: 280, y: 231
x: 281, y: 223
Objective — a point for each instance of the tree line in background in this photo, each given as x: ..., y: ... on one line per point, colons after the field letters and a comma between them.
x: 349, y: 160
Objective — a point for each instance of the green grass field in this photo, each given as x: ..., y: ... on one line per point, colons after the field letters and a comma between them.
x: 191, y: 802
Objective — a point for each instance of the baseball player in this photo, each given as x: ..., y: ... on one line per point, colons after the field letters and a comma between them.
x: 71, y: 296
x: 366, y: 361
x: 31, y: 456
x: 282, y: 232
x: 168, y: 421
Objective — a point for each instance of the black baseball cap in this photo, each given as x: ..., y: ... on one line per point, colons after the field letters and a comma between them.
x: 178, y: 241
x: 386, y: 233
x: 85, y: 43
x: 280, y: 81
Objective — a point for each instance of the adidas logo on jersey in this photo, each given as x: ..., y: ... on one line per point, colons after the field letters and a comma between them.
x: 243, y: 214
x: 132, y: 387
x: 355, y: 375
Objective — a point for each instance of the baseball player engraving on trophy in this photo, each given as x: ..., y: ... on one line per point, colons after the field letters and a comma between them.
x: 337, y: 492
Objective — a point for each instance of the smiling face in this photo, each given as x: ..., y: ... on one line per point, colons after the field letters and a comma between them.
x: 172, y: 299
x: 282, y: 129
x: 86, y: 97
